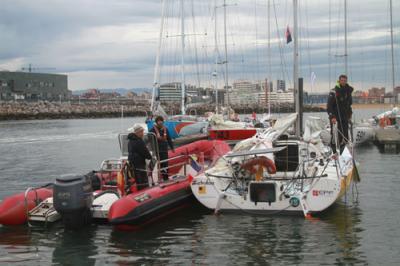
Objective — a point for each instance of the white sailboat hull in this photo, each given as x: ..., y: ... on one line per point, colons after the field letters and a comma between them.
x: 306, y: 179
x: 322, y: 193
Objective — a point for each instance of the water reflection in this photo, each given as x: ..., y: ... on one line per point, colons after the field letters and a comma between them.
x: 75, y: 247
x: 202, y: 238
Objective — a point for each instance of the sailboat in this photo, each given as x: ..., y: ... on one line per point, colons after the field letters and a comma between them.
x: 193, y: 130
x: 277, y: 172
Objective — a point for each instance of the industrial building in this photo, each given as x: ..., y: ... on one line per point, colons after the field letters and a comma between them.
x: 33, y: 86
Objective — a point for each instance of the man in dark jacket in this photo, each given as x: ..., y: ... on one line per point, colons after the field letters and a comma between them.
x: 340, y: 111
x: 137, y: 155
x: 163, y: 140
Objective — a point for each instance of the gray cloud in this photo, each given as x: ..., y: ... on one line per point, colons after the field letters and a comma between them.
x: 103, y: 43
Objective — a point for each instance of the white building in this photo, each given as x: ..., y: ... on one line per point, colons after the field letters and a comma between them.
x: 172, y: 92
x: 276, y: 97
x: 244, y: 92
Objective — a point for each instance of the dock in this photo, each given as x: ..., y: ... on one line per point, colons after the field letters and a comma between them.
x: 388, y: 139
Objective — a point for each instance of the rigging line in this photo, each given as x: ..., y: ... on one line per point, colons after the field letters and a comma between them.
x: 195, y: 45
x: 308, y: 43
x: 329, y: 44
x: 300, y: 35
x: 256, y: 43
x: 238, y: 51
x: 282, y: 57
x: 269, y: 49
x: 206, y: 66
x: 337, y: 38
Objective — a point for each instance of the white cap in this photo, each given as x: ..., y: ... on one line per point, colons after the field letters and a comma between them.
x: 137, y: 128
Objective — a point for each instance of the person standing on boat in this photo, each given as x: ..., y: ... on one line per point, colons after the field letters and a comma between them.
x: 137, y: 155
x: 340, y: 111
x: 163, y: 140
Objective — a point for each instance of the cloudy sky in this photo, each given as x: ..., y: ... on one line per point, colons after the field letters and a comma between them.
x: 110, y: 44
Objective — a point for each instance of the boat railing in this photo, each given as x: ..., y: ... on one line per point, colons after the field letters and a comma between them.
x: 26, y: 204
x: 179, y: 164
x: 111, y: 165
x: 184, y: 163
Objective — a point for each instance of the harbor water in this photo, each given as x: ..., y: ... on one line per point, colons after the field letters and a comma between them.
x: 361, y: 229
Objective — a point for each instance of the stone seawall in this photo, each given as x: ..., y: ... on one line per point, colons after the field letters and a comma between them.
x: 67, y: 110
x: 55, y: 110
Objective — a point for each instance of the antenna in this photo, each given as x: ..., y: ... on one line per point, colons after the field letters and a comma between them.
x: 30, y: 68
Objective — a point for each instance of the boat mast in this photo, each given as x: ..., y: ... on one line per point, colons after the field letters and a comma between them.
x: 183, y: 111
x: 345, y: 39
x: 226, y: 57
x: 296, y: 69
x: 157, y: 64
x: 392, y: 48
x: 269, y: 58
x: 215, y: 74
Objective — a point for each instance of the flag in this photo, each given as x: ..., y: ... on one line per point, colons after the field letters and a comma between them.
x: 194, y: 164
x: 288, y: 35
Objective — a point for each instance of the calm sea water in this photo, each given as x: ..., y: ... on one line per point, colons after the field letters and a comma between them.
x: 35, y: 152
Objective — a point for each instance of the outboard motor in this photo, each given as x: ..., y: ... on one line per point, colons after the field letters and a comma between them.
x: 73, y: 198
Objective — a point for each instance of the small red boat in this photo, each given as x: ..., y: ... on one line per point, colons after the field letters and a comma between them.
x: 232, y: 134
x: 142, y: 207
x: 14, y: 209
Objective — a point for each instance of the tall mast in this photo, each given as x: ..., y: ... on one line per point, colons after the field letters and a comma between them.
x: 296, y: 68
x: 392, y: 48
x: 330, y: 46
x: 345, y: 39
x: 226, y: 55
x: 215, y: 74
x: 269, y: 57
x: 182, y: 58
x: 157, y: 64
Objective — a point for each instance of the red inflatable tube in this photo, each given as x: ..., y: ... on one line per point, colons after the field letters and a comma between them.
x: 13, y: 209
x: 212, y: 150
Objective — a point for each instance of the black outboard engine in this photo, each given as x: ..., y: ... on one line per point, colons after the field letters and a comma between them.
x: 73, y: 198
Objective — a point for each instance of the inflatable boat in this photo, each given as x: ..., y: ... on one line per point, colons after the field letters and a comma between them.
x: 140, y: 208
x: 14, y: 209
x: 36, y: 205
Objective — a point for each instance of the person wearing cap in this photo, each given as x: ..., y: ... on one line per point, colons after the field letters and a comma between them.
x: 137, y: 155
x: 163, y: 140
x: 340, y: 111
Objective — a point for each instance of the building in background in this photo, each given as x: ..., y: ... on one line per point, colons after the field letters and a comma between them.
x: 33, y: 86
x: 245, y: 92
x: 280, y: 85
x: 276, y: 97
x: 172, y: 92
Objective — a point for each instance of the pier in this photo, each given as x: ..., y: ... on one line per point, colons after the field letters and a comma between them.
x: 388, y: 140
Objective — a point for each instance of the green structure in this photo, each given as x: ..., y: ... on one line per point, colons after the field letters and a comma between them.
x: 33, y: 86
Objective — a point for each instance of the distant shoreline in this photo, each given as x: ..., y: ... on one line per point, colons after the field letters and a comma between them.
x: 367, y: 106
x: 52, y: 110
